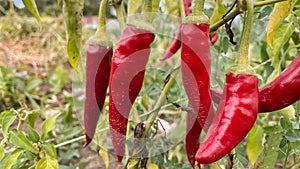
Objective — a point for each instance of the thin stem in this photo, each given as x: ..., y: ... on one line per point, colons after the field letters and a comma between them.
x: 102, y: 18
x: 243, y: 56
x: 237, y: 11
x: 263, y: 3
x: 286, y: 155
x: 159, y: 103
x: 120, y: 16
x: 70, y: 141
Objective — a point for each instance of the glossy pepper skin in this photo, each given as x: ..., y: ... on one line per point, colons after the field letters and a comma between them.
x: 126, y: 79
x: 98, y: 63
x: 195, y: 68
x: 283, y: 91
x: 234, y: 118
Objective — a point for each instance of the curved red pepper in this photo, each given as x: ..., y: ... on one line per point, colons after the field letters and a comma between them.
x: 234, y: 118
x: 281, y: 92
x: 126, y: 79
x: 195, y: 67
x: 98, y: 62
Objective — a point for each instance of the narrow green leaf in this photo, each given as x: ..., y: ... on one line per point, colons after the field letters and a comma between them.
x: 17, y: 138
x: 58, y: 2
x: 133, y: 164
x: 281, y: 36
x: 280, y: 12
x: 49, y: 124
x: 2, y: 153
x: 31, y: 6
x: 33, y: 135
x: 47, y: 162
x: 271, y: 153
x: 254, y: 145
x: 153, y: 166
x: 72, y: 10
x: 50, y: 149
x: 13, y: 157
x: 6, y: 120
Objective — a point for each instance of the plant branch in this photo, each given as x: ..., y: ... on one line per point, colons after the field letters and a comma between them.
x: 120, y: 13
x: 238, y: 11
x: 159, y: 103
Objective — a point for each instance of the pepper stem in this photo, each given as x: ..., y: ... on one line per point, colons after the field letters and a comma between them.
x: 102, y: 17
x: 119, y: 10
x: 146, y: 10
x: 243, y: 54
x: 181, y: 7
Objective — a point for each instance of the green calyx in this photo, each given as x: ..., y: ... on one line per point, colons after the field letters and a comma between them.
x: 142, y: 25
x: 197, y: 16
x: 242, y: 69
x: 100, y: 37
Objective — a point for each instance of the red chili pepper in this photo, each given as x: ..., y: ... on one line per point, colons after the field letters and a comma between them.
x: 283, y: 91
x: 195, y: 67
x: 280, y: 93
x: 98, y: 63
x: 126, y: 79
x: 234, y: 118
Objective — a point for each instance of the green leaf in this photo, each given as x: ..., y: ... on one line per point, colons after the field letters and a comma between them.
x: 50, y: 149
x: 134, y: 6
x: 31, y: 6
x: 133, y: 164
x: 73, y: 20
x: 31, y: 118
x: 271, y: 153
x: 254, y: 146
x: 58, y: 2
x: 17, y: 138
x: 58, y: 79
x: 13, y: 157
x: 33, y: 83
x: 291, y: 136
x: 49, y: 124
x: 281, y: 36
x: 6, y: 120
x: 2, y: 153
x: 219, y: 11
x: 280, y: 12
x: 152, y: 166
x: 288, y: 112
x: 47, y: 162
x: 33, y: 135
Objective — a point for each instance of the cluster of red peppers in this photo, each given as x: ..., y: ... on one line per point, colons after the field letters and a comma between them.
x: 239, y: 103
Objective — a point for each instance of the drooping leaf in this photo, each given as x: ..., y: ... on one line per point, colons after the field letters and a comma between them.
x: 219, y: 11
x: 49, y: 124
x: 281, y: 36
x: 271, y: 153
x: 33, y: 135
x: 31, y: 6
x: 47, y: 162
x: 280, y: 12
x: 6, y: 120
x: 17, y: 138
x: 72, y: 10
x: 13, y: 157
x: 254, y: 145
